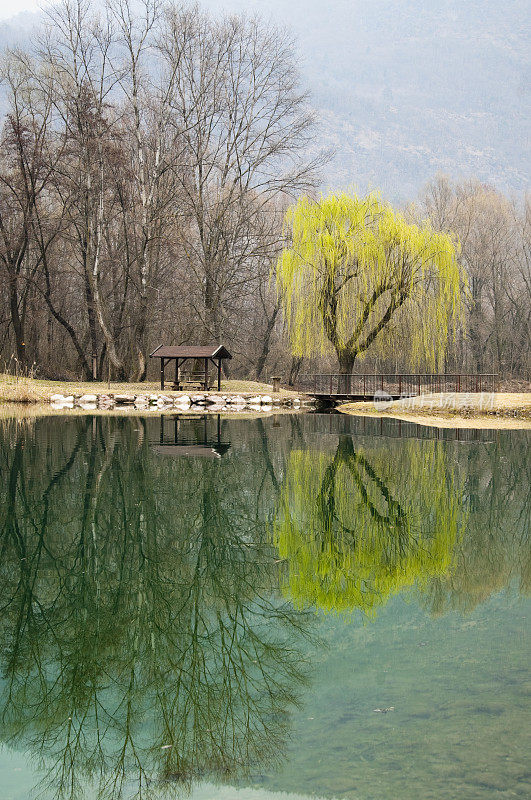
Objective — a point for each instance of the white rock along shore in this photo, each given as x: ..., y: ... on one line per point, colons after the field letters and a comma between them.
x: 180, y: 402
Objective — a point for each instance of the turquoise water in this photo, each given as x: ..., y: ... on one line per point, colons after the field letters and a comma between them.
x: 296, y: 606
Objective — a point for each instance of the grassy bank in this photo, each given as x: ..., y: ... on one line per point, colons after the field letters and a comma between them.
x: 31, y: 390
x: 451, y: 409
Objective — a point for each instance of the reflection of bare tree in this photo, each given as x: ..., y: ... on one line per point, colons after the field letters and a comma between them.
x: 356, y: 526
x: 140, y: 634
x: 496, y: 552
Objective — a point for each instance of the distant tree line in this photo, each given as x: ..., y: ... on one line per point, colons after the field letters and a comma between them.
x: 495, y: 237
x: 147, y: 159
x: 148, y: 155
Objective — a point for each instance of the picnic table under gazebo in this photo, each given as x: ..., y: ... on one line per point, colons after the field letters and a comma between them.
x: 204, y: 355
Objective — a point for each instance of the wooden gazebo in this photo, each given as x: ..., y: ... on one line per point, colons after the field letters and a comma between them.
x: 207, y: 354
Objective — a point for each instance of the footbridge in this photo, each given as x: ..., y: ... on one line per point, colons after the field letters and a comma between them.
x: 335, y: 387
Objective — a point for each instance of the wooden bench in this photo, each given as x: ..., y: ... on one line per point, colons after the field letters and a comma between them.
x: 191, y: 381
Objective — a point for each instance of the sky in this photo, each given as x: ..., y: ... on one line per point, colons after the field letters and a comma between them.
x: 10, y: 7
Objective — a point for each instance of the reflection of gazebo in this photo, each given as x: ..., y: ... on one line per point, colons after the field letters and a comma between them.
x: 205, y: 445
x: 210, y: 353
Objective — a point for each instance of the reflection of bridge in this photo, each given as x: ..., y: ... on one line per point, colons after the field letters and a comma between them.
x: 337, y: 424
x: 188, y: 438
x: 334, y: 386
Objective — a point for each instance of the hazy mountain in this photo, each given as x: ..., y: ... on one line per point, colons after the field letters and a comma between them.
x: 405, y: 88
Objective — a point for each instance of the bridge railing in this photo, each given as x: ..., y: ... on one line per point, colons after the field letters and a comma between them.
x: 397, y: 385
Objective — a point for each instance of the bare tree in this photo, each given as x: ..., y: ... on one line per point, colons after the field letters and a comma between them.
x: 492, y: 231
x: 24, y: 176
x: 244, y: 127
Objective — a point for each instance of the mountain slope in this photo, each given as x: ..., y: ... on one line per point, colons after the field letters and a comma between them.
x: 405, y: 88
x: 409, y: 87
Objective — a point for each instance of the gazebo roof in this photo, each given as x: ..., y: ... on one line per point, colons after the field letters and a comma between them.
x: 191, y: 351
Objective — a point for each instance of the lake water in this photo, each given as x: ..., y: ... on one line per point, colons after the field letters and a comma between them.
x: 296, y: 606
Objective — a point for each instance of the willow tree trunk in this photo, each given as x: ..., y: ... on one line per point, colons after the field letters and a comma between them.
x: 346, y: 365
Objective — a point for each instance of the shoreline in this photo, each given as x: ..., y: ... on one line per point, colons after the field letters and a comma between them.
x: 235, y: 396
x: 489, y: 411
x: 34, y: 411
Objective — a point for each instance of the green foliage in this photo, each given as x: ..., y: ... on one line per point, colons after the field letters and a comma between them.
x: 356, y: 528
x: 358, y: 277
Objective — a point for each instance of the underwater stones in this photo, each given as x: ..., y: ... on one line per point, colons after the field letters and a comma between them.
x: 124, y: 399
x: 63, y: 404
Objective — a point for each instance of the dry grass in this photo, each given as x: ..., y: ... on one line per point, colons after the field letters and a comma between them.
x: 30, y: 390
x: 486, y: 410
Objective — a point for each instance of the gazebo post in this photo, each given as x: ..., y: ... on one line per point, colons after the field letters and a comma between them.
x: 219, y: 374
x: 162, y: 365
x: 206, y: 375
x: 176, y: 373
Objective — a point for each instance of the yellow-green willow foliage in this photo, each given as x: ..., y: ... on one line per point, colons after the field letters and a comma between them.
x: 356, y: 527
x: 358, y: 277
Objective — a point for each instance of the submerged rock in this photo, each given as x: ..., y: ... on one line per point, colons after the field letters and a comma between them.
x: 88, y: 406
x: 124, y: 399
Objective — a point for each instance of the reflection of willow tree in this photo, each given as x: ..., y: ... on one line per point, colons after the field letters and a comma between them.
x: 357, y: 526
x: 496, y: 551
x: 138, y: 634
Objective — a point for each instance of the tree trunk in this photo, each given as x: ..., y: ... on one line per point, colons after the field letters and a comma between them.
x: 260, y: 364
x: 475, y: 321
x: 296, y: 364
x: 91, y: 315
x: 346, y: 365
x: 211, y: 332
x: 18, y: 325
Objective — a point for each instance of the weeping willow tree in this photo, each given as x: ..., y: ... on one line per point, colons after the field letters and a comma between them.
x: 359, y: 278
x: 357, y: 527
